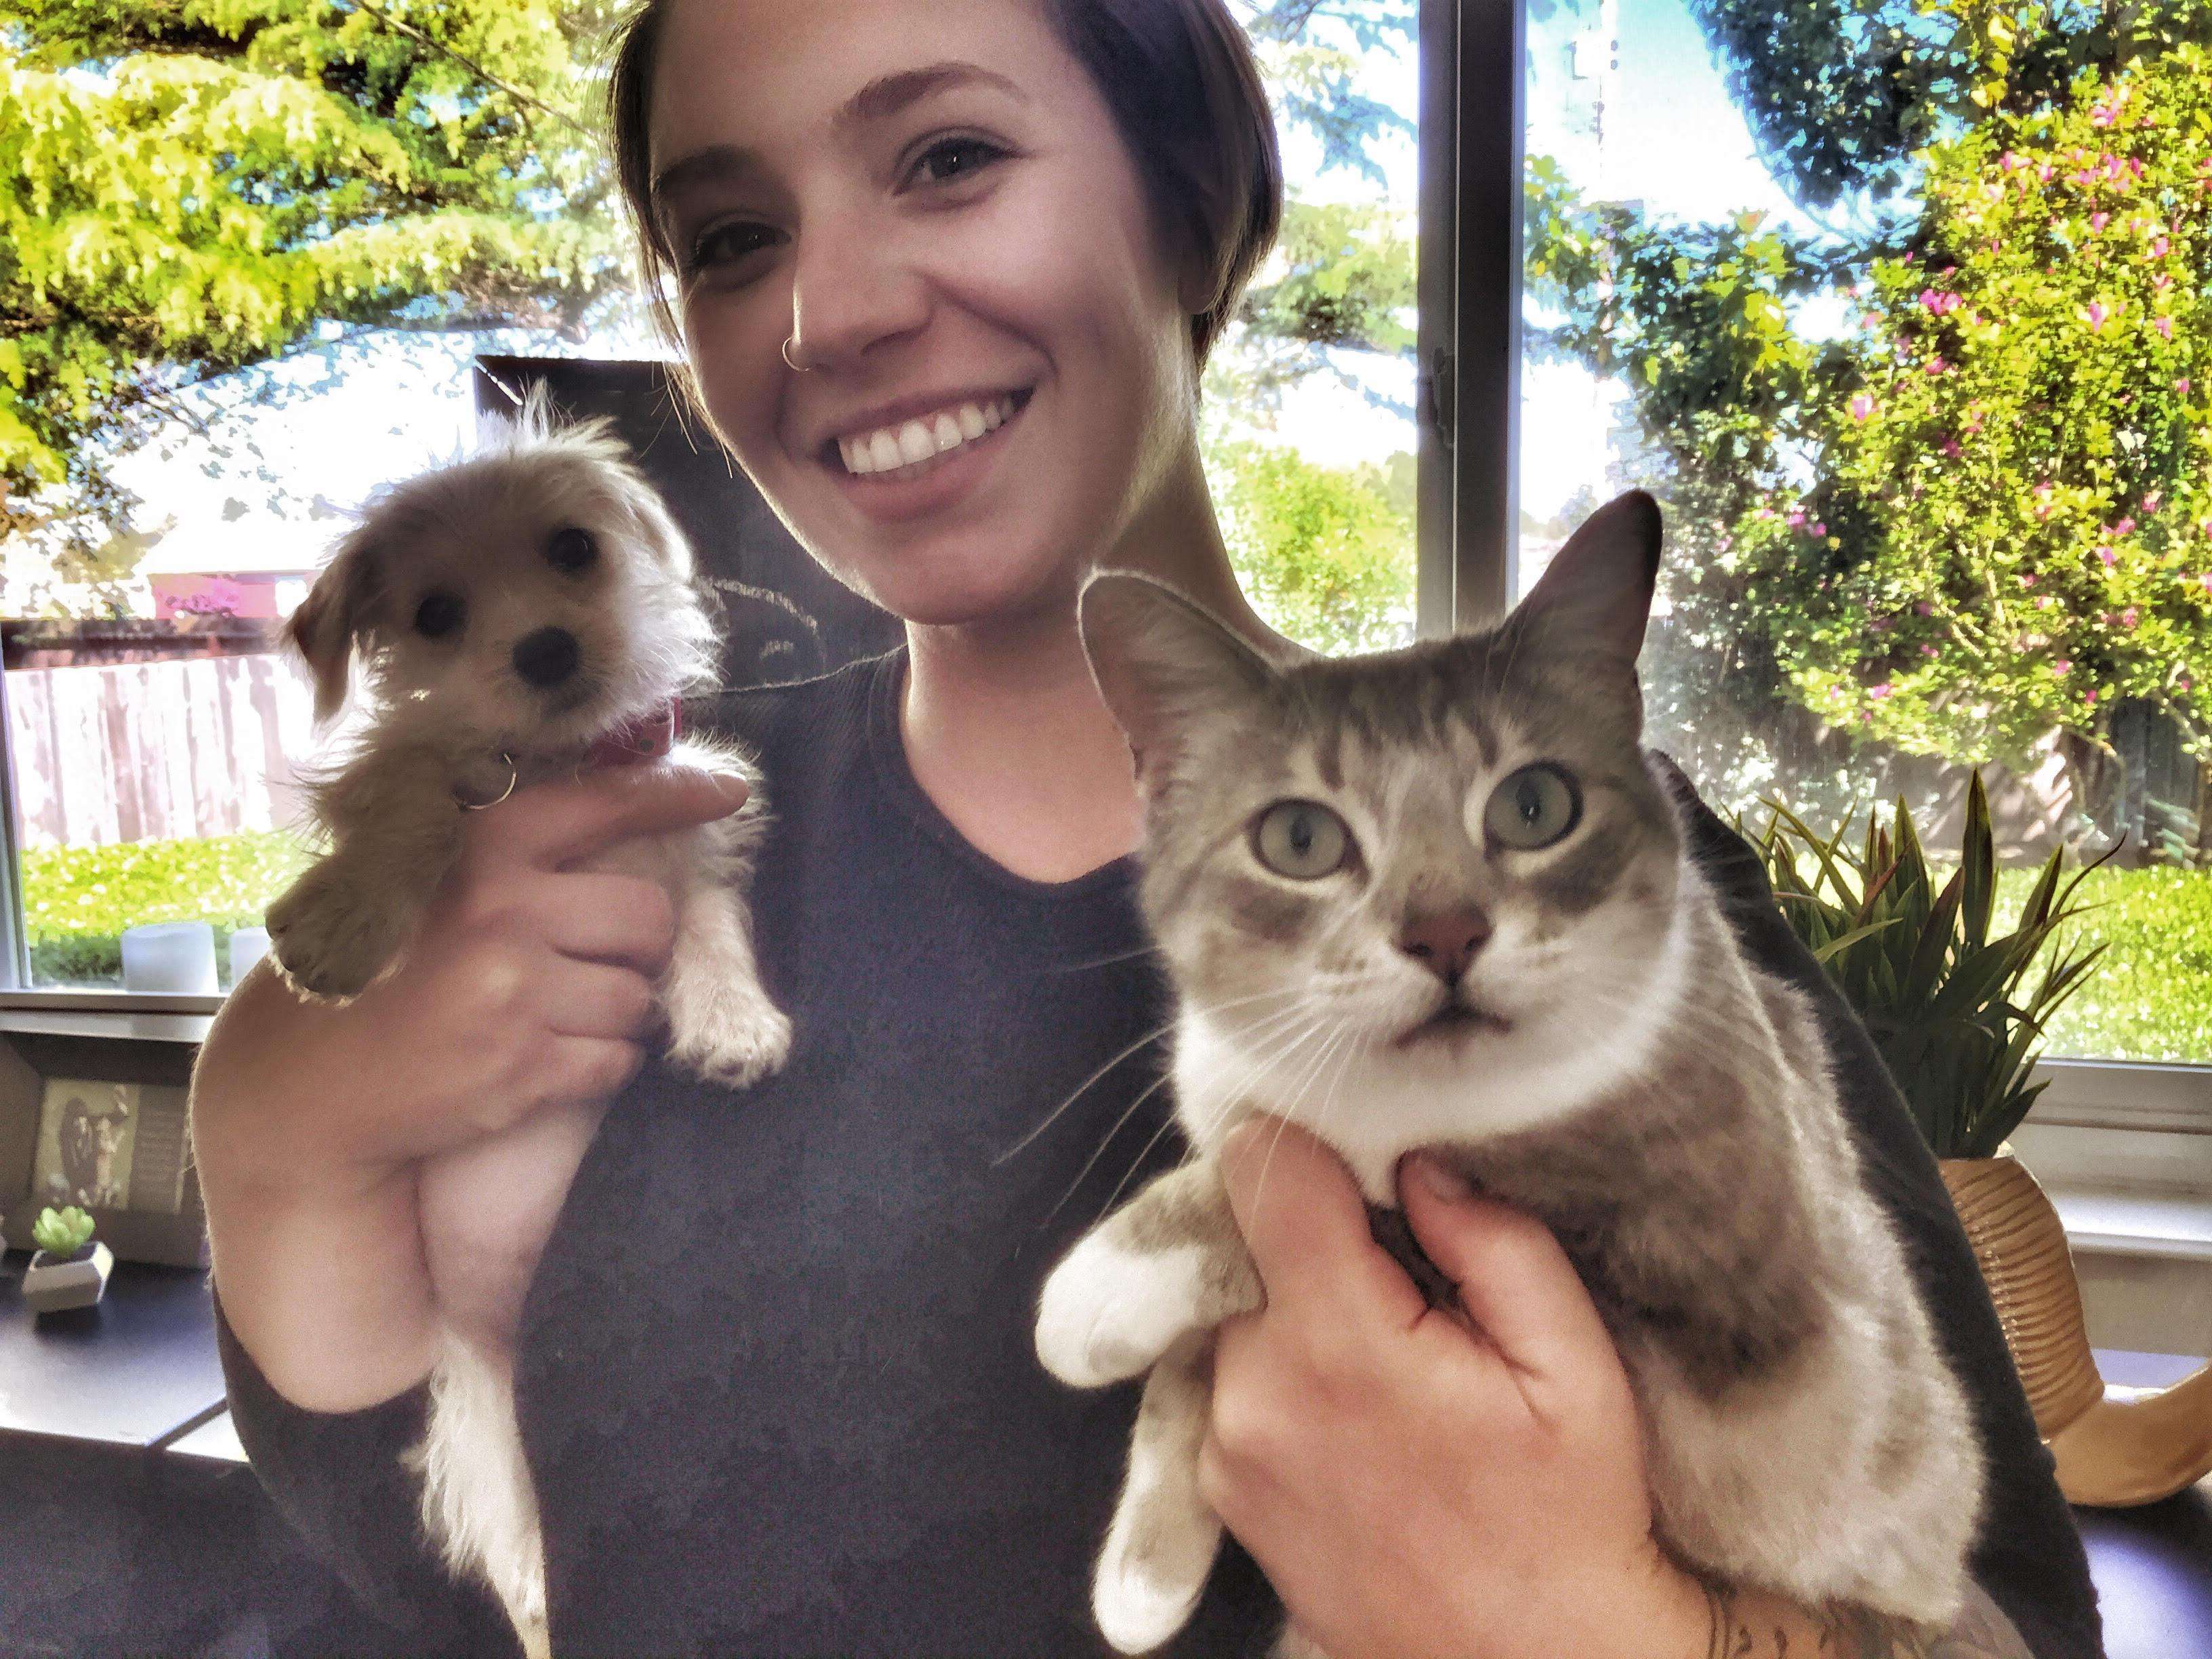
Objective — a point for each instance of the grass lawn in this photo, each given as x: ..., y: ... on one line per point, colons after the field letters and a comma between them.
x: 2150, y: 999
x: 78, y: 900
x: 2150, y: 996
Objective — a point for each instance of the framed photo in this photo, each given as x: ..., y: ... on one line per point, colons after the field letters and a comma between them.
x: 109, y: 1146
x: 112, y: 1139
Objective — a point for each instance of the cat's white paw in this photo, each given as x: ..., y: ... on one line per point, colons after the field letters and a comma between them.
x: 1142, y: 1597
x: 1108, y: 1312
x: 733, y: 1038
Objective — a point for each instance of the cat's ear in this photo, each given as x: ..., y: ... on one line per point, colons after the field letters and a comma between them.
x: 1596, y: 595
x: 1163, y: 662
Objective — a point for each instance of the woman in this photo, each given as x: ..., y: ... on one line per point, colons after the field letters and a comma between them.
x: 775, y: 1377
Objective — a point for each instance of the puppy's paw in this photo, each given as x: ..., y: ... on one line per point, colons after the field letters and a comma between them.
x: 729, y: 1034
x: 331, y: 938
x: 1108, y: 1312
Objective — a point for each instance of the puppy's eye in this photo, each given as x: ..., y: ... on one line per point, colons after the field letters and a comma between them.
x: 572, y: 549
x: 1535, y: 807
x: 438, y: 615
x: 1301, y: 839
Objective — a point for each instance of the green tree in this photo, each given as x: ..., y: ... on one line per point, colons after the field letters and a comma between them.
x: 2012, y: 530
x: 1982, y: 515
x: 1326, y: 553
x: 189, y: 186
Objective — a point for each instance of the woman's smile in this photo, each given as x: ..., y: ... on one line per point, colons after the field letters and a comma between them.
x: 896, y: 466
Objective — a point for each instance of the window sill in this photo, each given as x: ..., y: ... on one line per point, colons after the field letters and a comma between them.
x: 119, y: 1014
x: 2106, y: 1222
x: 2103, y: 1094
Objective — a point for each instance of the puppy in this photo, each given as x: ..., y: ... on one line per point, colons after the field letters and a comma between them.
x: 524, y: 614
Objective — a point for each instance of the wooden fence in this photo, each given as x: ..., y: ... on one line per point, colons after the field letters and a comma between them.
x: 157, y: 751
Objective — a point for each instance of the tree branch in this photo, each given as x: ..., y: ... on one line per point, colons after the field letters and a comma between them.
x: 474, y: 68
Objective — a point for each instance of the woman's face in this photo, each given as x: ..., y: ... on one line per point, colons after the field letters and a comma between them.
x: 930, y: 199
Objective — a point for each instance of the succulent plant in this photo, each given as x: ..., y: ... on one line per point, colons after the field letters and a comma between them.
x: 62, y: 1233
x: 1949, y: 1007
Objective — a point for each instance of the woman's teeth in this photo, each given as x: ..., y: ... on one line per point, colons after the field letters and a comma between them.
x: 911, y: 443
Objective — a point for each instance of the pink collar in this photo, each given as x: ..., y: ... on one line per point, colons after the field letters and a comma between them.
x: 649, y: 737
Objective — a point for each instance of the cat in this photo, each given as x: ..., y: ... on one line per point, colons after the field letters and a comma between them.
x: 1440, y: 898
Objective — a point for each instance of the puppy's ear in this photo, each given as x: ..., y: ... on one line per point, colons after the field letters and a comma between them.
x: 323, y: 628
x: 657, y: 529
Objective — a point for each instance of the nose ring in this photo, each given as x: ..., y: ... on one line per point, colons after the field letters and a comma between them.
x: 796, y: 366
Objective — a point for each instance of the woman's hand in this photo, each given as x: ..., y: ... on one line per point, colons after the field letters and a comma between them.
x: 529, y: 984
x: 1417, y: 1483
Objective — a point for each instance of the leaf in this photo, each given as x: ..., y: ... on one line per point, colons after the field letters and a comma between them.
x: 1935, y: 943
x: 1978, y: 855
x: 1847, y: 940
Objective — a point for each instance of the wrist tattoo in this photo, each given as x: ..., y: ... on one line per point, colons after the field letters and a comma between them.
x: 1754, y: 1627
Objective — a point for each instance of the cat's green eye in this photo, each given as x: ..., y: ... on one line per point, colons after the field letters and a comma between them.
x: 1533, y: 808
x: 1301, y: 839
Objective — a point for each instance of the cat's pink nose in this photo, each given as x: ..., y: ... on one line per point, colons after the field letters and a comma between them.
x: 1445, y: 943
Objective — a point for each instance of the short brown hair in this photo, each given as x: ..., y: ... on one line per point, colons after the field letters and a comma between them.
x: 1185, y: 95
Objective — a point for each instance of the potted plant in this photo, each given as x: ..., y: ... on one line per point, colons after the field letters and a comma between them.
x: 1959, y: 1017
x: 68, y: 1269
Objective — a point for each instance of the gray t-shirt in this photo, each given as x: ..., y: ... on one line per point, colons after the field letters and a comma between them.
x: 776, y: 1378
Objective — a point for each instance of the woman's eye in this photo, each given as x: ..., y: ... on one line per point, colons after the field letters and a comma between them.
x: 950, y: 160
x: 1533, y: 808
x: 438, y: 615
x: 1301, y: 839
x: 725, y: 245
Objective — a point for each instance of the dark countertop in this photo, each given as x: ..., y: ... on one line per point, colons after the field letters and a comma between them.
x: 136, y: 1366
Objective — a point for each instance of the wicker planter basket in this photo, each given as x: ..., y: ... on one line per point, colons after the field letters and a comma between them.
x: 2114, y: 1447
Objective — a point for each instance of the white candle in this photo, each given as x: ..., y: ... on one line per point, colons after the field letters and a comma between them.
x: 175, y: 958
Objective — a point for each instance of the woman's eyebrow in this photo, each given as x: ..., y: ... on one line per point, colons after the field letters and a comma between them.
x: 882, y: 97
x: 888, y: 95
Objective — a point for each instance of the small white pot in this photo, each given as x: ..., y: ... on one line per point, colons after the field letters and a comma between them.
x: 49, y: 1285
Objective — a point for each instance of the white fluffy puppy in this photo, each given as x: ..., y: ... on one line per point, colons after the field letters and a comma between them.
x: 520, y: 616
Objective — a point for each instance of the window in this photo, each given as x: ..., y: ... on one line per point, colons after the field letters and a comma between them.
x: 1922, y: 384
x: 1311, y: 436
x: 157, y: 729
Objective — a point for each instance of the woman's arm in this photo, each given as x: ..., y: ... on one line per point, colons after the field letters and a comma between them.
x: 528, y: 985
x: 1748, y: 1625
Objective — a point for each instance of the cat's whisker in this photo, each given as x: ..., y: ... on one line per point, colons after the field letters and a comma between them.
x: 1282, y: 1043
x: 1050, y: 1117
x: 1336, y: 1036
x: 1687, y: 1014
x: 1167, y: 1122
x: 1107, y: 962
x: 1349, y: 1049
x: 1091, y: 1163
x: 1150, y: 1036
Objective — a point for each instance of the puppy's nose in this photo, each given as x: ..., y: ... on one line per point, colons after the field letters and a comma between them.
x: 1446, y: 942
x: 547, y: 657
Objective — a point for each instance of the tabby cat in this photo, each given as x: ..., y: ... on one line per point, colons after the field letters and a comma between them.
x: 1440, y: 898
